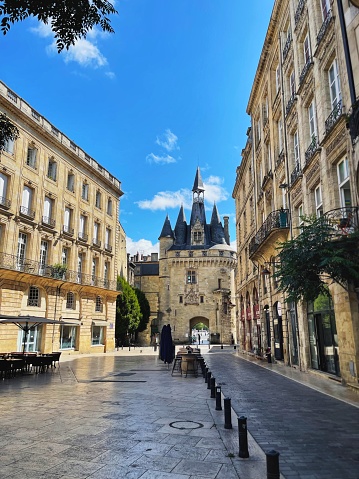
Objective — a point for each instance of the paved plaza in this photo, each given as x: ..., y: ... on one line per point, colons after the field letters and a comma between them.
x: 123, y: 415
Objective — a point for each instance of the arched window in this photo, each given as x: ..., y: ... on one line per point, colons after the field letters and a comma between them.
x: 70, y: 300
x: 34, y: 296
x: 99, y: 304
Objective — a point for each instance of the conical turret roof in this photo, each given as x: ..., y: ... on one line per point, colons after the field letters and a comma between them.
x: 181, y: 228
x: 198, y: 183
x: 167, y: 231
x: 217, y: 230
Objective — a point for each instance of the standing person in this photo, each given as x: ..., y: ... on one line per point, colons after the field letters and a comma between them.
x: 199, y: 339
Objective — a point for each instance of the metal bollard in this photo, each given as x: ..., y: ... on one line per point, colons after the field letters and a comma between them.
x: 221, y: 346
x: 213, y: 388
x: 218, y: 398
x: 234, y: 347
x: 243, y: 437
x: 227, y: 413
x: 206, y: 375
x: 272, y: 458
x: 209, y: 375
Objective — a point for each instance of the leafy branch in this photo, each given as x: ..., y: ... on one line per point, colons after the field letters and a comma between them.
x: 8, y: 131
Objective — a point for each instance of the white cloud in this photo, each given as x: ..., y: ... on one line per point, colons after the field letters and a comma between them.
x: 141, y: 246
x: 214, y: 192
x: 110, y: 75
x: 84, y: 52
x: 167, y: 199
x: 152, y: 158
x: 168, y: 141
x: 234, y: 245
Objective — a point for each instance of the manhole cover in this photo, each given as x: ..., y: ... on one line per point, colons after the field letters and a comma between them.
x: 186, y: 425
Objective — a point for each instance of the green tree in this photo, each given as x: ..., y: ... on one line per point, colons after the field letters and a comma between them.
x: 128, y: 313
x: 317, y: 256
x: 145, y: 309
x: 69, y: 19
x: 8, y: 131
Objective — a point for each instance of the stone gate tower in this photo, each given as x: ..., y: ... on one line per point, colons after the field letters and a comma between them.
x: 196, y: 273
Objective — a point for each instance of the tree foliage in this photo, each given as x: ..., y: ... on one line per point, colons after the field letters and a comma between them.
x: 145, y: 309
x: 8, y: 131
x: 318, y: 255
x: 69, y: 19
x: 128, y: 313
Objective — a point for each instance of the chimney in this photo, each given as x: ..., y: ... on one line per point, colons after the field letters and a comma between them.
x: 226, y: 229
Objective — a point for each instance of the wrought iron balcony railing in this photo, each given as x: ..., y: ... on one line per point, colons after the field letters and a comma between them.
x: 29, y: 266
x: 67, y: 230
x: 83, y: 236
x: 353, y: 121
x: 48, y: 221
x: 24, y: 211
x: 290, y: 103
x: 313, y: 147
x: 96, y: 242
x: 296, y: 173
x: 324, y: 26
x: 344, y: 220
x: 278, y: 219
x: 108, y: 248
x: 305, y: 70
x: 287, y: 46
x: 4, y: 202
x: 299, y: 11
x: 334, y: 116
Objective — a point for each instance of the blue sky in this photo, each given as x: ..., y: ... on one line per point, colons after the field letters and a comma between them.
x: 164, y: 94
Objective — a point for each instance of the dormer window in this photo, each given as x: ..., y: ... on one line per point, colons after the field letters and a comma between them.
x: 197, y: 236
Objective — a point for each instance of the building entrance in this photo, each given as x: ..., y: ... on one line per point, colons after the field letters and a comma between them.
x: 278, y: 331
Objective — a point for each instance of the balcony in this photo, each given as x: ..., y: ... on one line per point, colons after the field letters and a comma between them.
x: 24, y: 211
x: 96, y: 242
x: 312, y: 149
x: 25, y: 265
x: 344, y: 220
x: 299, y: 11
x: 287, y: 46
x: 324, y: 26
x: 353, y: 122
x: 305, y: 70
x: 66, y: 230
x: 290, y: 103
x: 46, y: 221
x: 333, y: 117
x: 4, y: 203
x: 108, y: 248
x: 296, y: 173
x: 276, y: 223
x: 83, y: 236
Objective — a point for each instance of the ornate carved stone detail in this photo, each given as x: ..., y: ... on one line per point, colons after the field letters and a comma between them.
x: 338, y: 143
x: 326, y: 46
x: 313, y: 173
x: 192, y: 297
x: 276, y: 103
x: 296, y: 192
x: 292, y: 120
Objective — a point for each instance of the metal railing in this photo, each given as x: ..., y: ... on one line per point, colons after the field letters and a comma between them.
x: 324, y: 27
x: 96, y: 242
x: 299, y: 11
x: 334, y: 116
x: 83, y: 236
x: 29, y: 266
x: 287, y: 46
x: 296, y: 173
x: 344, y: 220
x: 305, y: 69
x: 313, y: 147
x: 67, y: 230
x: 290, y: 103
x: 353, y: 122
x: 276, y: 220
x: 48, y: 221
x: 27, y: 212
x: 108, y: 247
x: 4, y: 202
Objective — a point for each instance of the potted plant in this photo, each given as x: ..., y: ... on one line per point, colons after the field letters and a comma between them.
x: 58, y: 270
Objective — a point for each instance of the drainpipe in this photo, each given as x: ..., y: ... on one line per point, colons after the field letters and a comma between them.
x: 346, y: 52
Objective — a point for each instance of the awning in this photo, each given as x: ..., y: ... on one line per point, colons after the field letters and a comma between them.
x: 99, y: 322
x: 73, y: 322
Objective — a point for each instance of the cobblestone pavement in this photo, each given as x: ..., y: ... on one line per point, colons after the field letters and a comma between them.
x: 317, y: 435
x: 115, y: 417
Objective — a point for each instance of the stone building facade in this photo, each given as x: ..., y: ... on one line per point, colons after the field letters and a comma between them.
x: 59, y: 237
x: 196, y: 273
x: 299, y: 160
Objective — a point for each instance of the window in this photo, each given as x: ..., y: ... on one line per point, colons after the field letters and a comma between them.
x: 44, y: 248
x: 325, y: 8
x: 181, y: 299
x: 201, y: 299
x: 108, y: 239
x: 93, y: 272
x: 48, y: 207
x: 82, y: 228
x: 312, y: 122
x: 296, y: 148
x: 68, y: 337
x: 280, y: 135
x: 99, y: 304
x: 300, y: 218
x: 344, y: 185
x: 277, y: 79
x: 79, y: 268
x: 21, y: 251
x: 318, y: 201
x: 259, y: 131
x: 67, y: 220
x: 26, y: 201
x: 34, y: 297
x: 70, y: 182
x: 9, y: 146
x: 85, y: 191
x: 306, y: 49
x: 65, y: 256
x: 191, y: 277
x: 269, y: 160
x: 292, y: 84
x: 70, y: 301
x: 106, y: 272
x: 31, y: 157
x: 52, y: 169
x: 109, y: 207
x: 96, y: 233
x: 334, y: 84
x: 3, y: 189
x: 197, y: 236
x: 219, y: 283
x: 98, y: 199
x: 97, y: 335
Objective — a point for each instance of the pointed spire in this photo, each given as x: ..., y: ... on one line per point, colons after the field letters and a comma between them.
x: 167, y: 231
x: 217, y: 230
x: 198, y: 183
x: 215, y: 220
x: 180, y: 228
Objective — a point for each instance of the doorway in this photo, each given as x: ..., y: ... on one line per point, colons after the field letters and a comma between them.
x: 278, y: 331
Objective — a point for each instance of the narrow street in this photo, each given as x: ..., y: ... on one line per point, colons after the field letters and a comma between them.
x: 316, y: 435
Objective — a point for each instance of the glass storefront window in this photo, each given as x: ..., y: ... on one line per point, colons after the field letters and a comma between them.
x: 97, y: 335
x: 68, y: 337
